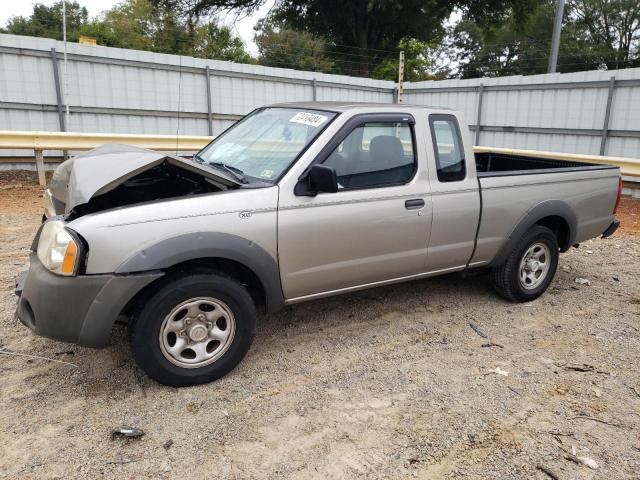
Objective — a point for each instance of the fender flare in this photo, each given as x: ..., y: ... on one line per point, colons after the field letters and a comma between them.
x: 192, y: 246
x: 556, y: 208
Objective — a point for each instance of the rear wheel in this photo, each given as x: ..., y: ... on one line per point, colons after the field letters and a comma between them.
x: 194, y: 330
x: 530, y: 268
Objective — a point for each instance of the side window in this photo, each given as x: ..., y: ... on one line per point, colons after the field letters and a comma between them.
x: 448, y: 148
x: 374, y: 155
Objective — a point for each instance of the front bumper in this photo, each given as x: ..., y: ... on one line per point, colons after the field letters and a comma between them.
x: 80, y: 309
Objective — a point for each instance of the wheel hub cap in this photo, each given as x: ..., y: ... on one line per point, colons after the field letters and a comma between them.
x: 535, y: 265
x: 197, y: 332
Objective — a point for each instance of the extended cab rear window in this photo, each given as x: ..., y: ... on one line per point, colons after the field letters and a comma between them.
x: 448, y: 147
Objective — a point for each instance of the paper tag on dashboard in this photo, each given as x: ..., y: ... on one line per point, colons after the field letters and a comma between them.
x: 306, y: 118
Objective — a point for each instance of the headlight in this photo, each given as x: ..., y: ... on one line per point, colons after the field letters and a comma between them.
x: 58, y: 250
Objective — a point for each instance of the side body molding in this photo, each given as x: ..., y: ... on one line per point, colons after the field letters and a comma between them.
x: 191, y: 246
x: 547, y: 208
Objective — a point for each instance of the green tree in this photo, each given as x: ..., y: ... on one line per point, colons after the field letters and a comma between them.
x: 612, y: 27
x: 419, y: 63
x: 279, y: 46
x: 367, y: 26
x: 212, y: 40
x: 140, y: 25
x: 46, y: 21
x: 517, y: 39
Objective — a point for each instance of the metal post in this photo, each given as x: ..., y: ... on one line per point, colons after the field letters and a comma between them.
x: 66, y: 76
x: 315, y: 90
x: 400, y: 77
x: 607, y: 115
x: 479, y: 114
x: 555, y: 39
x: 42, y: 180
x: 209, y: 115
x: 62, y: 119
x: 56, y: 79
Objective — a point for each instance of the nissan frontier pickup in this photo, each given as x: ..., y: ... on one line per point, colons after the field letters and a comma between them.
x: 294, y: 202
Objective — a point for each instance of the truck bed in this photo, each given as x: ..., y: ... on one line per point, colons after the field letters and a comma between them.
x: 512, y: 185
x: 492, y: 164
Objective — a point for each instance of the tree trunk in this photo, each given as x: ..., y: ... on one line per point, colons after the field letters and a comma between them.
x: 361, y: 23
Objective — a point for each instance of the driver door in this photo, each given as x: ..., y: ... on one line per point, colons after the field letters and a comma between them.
x: 375, y: 228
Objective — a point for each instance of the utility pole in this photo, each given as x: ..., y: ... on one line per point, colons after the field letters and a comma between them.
x: 400, y: 77
x: 66, y: 81
x: 555, y: 39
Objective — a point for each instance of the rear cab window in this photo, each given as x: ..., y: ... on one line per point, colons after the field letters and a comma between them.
x: 448, y: 148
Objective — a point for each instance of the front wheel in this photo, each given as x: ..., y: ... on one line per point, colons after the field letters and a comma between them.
x: 194, y: 330
x: 529, y: 269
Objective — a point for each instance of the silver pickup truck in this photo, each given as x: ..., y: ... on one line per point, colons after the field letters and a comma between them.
x: 294, y: 202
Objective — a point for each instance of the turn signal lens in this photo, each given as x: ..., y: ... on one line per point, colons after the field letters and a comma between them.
x: 69, y: 262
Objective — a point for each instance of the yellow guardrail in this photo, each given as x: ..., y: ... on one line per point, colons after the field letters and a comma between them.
x: 87, y: 141
x: 40, y: 141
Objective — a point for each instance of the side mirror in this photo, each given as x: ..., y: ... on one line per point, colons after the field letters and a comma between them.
x: 323, y: 179
x: 319, y: 179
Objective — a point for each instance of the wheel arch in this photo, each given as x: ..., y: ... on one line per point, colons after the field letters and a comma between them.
x: 556, y: 215
x: 232, y: 255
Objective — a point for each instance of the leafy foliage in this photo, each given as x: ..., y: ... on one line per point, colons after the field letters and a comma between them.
x: 47, y: 21
x: 596, y: 34
x: 368, y: 26
x: 137, y: 24
x: 419, y: 63
x: 279, y: 46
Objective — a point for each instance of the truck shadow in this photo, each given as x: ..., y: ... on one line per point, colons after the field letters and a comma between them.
x: 112, y: 371
x: 429, y: 295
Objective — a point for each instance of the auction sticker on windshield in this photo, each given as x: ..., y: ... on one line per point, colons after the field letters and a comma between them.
x: 306, y: 118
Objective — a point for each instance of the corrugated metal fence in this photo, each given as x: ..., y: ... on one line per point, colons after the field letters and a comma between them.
x: 113, y: 90
x: 594, y: 112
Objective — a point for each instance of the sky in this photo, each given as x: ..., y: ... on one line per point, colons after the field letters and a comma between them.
x: 242, y: 26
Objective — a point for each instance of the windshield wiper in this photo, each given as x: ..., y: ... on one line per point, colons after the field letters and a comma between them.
x: 235, y: 172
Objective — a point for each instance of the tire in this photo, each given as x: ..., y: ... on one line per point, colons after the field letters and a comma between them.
x: 519, y: 284
x: 193, y: 330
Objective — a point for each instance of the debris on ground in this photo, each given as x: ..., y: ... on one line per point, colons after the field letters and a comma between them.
x: 580, y: 368
x: 589, y: 462
x: 127, y: 432
x: 582, y: 281
x: 167, y: 444
x: 593, y: 419
x: 498, y: 371
x: 548, y: 471
x: 37, y: 357
x: 478, y: 330
x: 119, y: 461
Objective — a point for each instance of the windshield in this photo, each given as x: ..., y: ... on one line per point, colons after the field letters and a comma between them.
x: 263, y: 145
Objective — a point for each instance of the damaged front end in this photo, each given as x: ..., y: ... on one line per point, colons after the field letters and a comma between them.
x: 117, y: 175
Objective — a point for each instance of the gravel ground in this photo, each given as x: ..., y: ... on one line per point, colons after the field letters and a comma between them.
x: 387, y: 383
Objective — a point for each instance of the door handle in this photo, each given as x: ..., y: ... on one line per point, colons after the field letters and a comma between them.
x: 414, y: 204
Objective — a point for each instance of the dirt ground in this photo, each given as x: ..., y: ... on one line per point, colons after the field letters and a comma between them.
x: 387, y: 383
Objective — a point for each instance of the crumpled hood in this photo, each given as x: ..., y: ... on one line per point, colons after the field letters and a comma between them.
x: 98, y: 171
